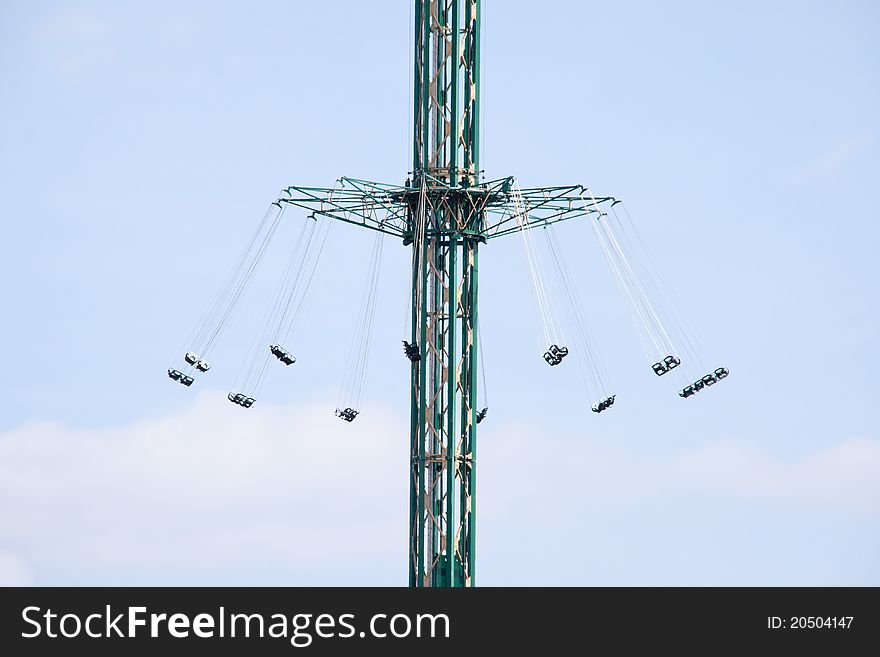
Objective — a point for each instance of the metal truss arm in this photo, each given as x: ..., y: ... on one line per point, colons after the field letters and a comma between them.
x: 362, y: 203
x: 544, y: 206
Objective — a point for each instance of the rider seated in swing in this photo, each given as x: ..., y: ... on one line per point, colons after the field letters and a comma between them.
x: 412, y: 351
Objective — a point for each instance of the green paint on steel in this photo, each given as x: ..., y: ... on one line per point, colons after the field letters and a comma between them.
x: 454, y: 133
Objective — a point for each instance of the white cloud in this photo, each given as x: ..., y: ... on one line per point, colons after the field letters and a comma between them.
x: 291, y: 495
x: 841, y: 477
x: 213, y: 488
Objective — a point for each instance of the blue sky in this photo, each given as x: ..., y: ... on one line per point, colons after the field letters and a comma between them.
x: 142, y: 141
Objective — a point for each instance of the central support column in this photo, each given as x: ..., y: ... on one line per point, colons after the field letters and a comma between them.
x: 445, y: 220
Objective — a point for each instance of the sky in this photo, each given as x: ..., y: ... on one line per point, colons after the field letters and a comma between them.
x: 141, y: 142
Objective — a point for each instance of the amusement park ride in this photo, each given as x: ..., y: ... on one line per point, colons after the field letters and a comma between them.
x: 445, y: 212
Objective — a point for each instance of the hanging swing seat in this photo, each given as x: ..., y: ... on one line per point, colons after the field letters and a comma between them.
x: 606, y: 403
x: 412, y: 351
x: 481, y: 415
x: 669, y: 363
x: 181, y: 378
x: 555, y: 354
x: 240, y: 399
x: 191, y: 358
x: 347, y: 414
x: 282, y: 354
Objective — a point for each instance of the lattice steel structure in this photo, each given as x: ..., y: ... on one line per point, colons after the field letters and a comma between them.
x: 445, y: 211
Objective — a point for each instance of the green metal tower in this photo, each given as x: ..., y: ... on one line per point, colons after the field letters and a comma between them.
x: 444, y: 211
x: 447, y: 230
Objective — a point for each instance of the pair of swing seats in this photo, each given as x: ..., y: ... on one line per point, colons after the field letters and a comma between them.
x: 191, y: 359
x: 180, y: 377
x: 282, y: 354
x: 347, y: 414
x: 555, y: 354
x: 665, y: 365
x: 606, y: 403
x: 240, y: 399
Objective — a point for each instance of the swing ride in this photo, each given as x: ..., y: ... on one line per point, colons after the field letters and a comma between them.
x: 444, y: 211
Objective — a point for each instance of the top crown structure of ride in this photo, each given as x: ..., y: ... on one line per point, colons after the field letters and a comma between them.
x: 446, y: 150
